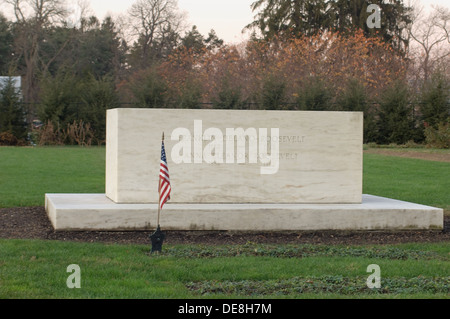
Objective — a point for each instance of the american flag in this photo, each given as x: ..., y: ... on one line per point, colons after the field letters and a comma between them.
x: 164, y: 179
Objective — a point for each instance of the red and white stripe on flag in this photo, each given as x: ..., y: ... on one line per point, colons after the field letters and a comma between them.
x: 164, y: 179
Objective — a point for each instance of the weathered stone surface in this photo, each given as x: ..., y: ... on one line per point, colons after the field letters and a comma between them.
x: 97, y: 212
x: 289, y: 157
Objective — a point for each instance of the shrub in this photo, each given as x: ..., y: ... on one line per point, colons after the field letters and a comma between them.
x: 8, y: 139
x: 353, y: 98
x: 190, y: 96
x: 49, y: 135
x: 438, y: 138
x: 228, y: 96
x: 148, y: 89
x: 66, y: 100
x: 315, y: 95
x: 79, y: 133
x: 75, y: 133
x: 273, y: 93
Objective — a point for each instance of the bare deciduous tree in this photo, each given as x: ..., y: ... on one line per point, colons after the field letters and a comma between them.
x: 154, y: 20
x: 32, y: 18
x: 431, y: 34
x: 44, y: 12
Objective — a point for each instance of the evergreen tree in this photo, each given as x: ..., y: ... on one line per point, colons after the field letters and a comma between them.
x: 435, y: 101
x: 213, y: 41
x: 97, y: 96
x: 193, y: 40
x: 315, y: 95
x: 293, y: 18
x: 229, y: 96
x: 12, y: 113
x: 355, y: 99
x: 60, y: 99
x: 148, y: 89
x: 395, y: 122
x: 273, y: 93
x: 68, y: 99
x: 6, y: 45
x: 191, y: 94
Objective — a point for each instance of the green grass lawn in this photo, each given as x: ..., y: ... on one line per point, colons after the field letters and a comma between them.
x: 413, y: 180
x: 38, y: 269
x: 26, y: 174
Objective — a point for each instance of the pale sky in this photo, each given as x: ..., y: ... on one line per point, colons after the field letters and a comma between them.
x: 226, y: 17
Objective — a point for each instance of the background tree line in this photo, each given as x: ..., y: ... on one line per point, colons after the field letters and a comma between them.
x: 302, y: 55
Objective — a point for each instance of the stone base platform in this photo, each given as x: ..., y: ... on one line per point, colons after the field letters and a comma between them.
x: 89, y: 212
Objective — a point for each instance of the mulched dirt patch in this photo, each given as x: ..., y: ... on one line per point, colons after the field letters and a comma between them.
x: 33, y: 223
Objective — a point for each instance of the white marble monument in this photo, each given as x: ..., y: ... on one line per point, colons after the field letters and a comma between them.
x: 236, y: 170
x: 225, y: 156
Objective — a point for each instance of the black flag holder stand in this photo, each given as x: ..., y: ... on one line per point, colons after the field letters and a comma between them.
x: 158, y: 236
x: 157, y: 239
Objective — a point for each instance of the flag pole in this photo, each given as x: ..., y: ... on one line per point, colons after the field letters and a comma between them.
x: 159, y: 190
x: 159, y: 202
x: 158, y: 236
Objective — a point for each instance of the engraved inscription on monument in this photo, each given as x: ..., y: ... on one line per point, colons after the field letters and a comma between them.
x: 231, y: 156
